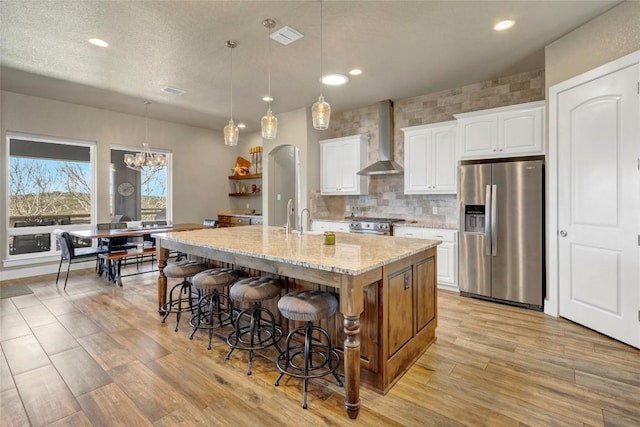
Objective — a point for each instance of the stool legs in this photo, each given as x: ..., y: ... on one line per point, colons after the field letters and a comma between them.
x: 256, y: 335
x: 288, y: 361
x: 170, y: 307
x: 213, y: 307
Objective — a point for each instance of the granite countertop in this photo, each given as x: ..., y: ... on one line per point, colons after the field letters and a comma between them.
x: 239, y: 212
x: 428, y: 224
x: 422, y: 223
x: 353, y: 253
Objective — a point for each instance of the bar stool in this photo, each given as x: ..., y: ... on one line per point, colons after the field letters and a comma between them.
x: 297, y: 359
x: 214, y: 303
x: 181, y: 270
x: 258, y: 334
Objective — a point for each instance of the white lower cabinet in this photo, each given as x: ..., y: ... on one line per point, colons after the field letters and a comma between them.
x: 336, y: 226
x: 447, y: 251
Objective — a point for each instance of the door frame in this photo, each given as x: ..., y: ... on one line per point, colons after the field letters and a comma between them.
x: 551, y: 303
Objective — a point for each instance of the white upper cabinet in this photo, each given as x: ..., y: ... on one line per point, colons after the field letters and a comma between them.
x: 340, y: 160
x: 430, y: 159
x: 515, y: 130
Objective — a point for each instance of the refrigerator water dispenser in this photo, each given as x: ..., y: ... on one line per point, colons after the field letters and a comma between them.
x: 474, y: 219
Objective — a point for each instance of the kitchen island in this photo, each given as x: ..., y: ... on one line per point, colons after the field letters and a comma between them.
x: 390, y: 283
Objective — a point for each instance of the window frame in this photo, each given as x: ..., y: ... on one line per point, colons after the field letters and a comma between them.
x: 53, y: 253
x: 169, y: 173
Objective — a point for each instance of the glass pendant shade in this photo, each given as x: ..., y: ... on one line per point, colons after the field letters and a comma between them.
x: 321, y: 114
x: 269, y: 126
x: 231, y: 134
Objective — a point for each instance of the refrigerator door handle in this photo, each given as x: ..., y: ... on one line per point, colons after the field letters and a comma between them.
x: 487, y: 221
x: 494, y: 220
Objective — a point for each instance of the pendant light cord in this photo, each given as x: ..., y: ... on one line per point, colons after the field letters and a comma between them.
x: 321, y: 55
x: 231, y: 88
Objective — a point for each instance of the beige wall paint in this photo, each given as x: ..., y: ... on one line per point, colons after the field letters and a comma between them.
x: 609, y: 36
x: 200, y: 158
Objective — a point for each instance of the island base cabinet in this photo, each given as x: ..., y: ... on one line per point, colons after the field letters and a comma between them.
x: 397, y: 324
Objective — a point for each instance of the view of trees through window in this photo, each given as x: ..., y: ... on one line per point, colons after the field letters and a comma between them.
x: 154, y: 194
x: 49, y: 187
x: 48, y: 181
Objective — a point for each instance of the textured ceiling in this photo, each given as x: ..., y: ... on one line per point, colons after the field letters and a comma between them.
x: 405, y: 48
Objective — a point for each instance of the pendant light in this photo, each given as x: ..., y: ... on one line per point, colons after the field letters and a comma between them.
x: 231, y: 130
x: 269, y: 122
x: 321, y: 110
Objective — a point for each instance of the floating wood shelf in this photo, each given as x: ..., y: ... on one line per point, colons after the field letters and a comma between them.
x: 253, y: 176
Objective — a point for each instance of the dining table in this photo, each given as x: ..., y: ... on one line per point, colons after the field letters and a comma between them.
x: 115, y: 274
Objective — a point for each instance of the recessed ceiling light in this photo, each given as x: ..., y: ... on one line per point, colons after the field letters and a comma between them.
x: 99, y: 42
x: 355, y: 72
x: 504, y: 25
x: 267, y: 98
x: 334, y: 79
x: 241, y: 125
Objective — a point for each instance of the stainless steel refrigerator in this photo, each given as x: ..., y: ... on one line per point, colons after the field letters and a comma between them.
x: 502, y: 232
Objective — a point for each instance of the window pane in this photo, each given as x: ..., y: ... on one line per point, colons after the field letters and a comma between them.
x: 49, y: 187
x: 137, y: 195
x: 49, y: 184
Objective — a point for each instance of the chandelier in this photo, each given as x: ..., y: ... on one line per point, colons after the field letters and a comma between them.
x: 146, y: 160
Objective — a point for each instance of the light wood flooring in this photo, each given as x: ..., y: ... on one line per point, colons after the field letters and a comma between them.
x: 99, y: 355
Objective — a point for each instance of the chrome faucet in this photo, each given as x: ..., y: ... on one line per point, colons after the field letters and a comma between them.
x: 308, y: 218
x: 289, y: 212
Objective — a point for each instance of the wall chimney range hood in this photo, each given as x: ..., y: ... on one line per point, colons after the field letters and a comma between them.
x: 385, y: 164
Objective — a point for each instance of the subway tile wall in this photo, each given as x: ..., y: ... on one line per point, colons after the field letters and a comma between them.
x: 386, y: 193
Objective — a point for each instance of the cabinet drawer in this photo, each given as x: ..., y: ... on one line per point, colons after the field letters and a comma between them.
x: 341, y: 227
x: 440, y: 234
x: 239, y: 220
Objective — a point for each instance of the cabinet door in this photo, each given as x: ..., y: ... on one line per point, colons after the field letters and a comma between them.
x: 443, y: 160
x: 478, y: 136
x: 425, y: 293
x: 347, y: 167
x: 446, y: 263
x: 417, y: 153
x: 520, y: 132
x: 400, y: 320
x: 331, y: 162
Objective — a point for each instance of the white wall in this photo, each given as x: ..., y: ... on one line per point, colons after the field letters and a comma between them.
x: 201, y: 161
x: 609, y: 36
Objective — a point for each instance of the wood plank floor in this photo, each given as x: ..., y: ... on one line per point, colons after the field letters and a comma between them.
x: 99, y: 355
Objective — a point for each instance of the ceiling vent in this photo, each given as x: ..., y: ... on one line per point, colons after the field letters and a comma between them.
x: 286, y: 35
x: 173, y: 91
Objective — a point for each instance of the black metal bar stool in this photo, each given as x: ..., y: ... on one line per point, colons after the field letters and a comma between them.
x: 181, y: 270
x: 312, y: 358
x: 256, y: 333
x: 215, y: 308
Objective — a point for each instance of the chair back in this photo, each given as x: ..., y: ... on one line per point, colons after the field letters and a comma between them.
x: 210, y: 223
x: 67, y: 248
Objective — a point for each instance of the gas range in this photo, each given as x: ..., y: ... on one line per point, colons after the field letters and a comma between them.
x: 381, y: 226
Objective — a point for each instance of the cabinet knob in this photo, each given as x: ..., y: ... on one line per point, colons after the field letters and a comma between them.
x: 563, y: 233
x: 494, y: 150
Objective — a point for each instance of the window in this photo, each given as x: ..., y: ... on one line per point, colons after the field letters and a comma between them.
x: 139, y: 195
x: 50, y: 185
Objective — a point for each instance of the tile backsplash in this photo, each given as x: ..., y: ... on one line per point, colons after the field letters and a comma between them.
x: 386, y: 196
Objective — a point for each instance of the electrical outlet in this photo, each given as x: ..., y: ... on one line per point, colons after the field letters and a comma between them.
x: 247, y: 205
x: 434, y: 210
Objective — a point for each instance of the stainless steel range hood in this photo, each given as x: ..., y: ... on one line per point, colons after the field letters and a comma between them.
x: 385, y: 164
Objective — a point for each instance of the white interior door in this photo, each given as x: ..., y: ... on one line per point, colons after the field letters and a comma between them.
x: 598, y: 204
